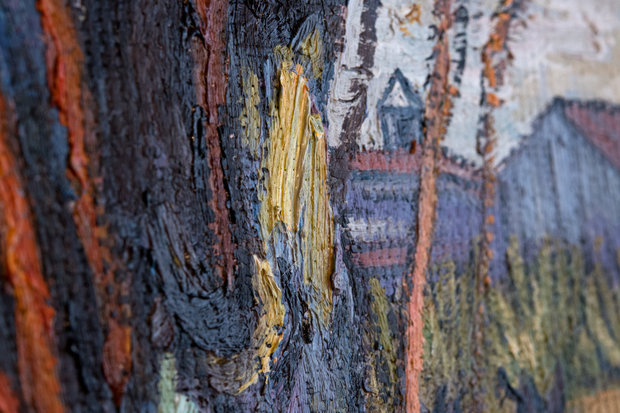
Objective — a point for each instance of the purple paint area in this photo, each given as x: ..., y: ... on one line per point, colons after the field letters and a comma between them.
x: 380, y: 217
x: 459, y: 219
x: 557, y: 185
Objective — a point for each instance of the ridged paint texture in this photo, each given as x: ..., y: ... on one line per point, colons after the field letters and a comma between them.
x: 64, y: 61
x: 312, y: 48
x: 250, y: 116
x: 296, y: 192
x: 236, y: 374
x: 8, y: 400
x: 36, y: 359
x: 437, y: 118
x: 268, y: 333
x: 382, y: 395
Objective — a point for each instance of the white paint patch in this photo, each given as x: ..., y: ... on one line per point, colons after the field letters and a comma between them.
x: 401, y: 45
x: 378, y: 230
x: 567, y: 48
x: 346, y: 71
x: 461, y: 136
x: 397, y: 97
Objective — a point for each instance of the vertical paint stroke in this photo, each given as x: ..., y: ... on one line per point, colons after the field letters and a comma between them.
x: 268, y: 333
x: 296, y: 188
x: 312, y: 48
x: 64, y: 60
x: 36, y: 361
x: 250, y: 116
x: 8, y: 401
x: 437, y: 116
x: 382, y: 399
x: 495, y: 58
x: 211, y: 94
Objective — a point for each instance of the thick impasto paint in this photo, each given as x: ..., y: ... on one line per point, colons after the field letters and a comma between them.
x: 309, y: 206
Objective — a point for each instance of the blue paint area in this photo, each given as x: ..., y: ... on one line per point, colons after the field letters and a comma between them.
x: 401, y: 113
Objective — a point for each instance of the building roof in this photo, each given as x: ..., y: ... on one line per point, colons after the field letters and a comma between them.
x: 599, y: 122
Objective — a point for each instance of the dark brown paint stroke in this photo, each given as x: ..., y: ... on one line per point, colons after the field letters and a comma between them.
x: 36, y: 361
x: 437, y: 116
x: 64, y: 60
x: 210, y: 86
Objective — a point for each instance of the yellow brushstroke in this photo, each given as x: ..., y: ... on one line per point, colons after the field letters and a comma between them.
x: 312, y: 48
x: 284, y: 55
x: 236, y: 374
x: 382, y: 394
x: 267, y: 335
x: 250, y: 117
x: 380, y: 307
x: 536, y: 319
x: 296, y: 192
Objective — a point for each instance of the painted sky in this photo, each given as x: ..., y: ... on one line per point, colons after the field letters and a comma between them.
x: 567, y: 48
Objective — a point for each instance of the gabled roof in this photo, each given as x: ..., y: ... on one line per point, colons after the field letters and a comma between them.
x: 599, y: 122
x: 596, y: 121
x: 399, y: 93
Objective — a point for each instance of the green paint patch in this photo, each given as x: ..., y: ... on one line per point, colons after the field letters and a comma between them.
x: 169, y: 400
x: 382, y: 377
x: 550, y: 321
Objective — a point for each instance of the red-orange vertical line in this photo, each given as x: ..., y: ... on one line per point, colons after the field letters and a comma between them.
x: 64, y: 60
x: 437, y: 115
x: 8, y: 400
x: 495, y: 58
x: 36, y: 361
x: 211, y: 91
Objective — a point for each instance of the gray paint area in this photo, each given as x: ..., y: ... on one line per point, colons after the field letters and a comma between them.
x: 558, y: 184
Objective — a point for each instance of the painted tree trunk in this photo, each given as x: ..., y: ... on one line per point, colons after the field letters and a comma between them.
x: 309, y: 206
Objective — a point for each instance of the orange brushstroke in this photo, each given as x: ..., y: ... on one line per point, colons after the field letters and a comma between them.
x: 64, y: 60
x: 381, y: 258
x: 115, y: 352
x: 64, y: 76
x: 493, y: 100
x: 33, y: 316
x: 495, y: 57
x: 210, y: 86
x: 8, y: 401
x: 437, y: 115
x: 489, y: 71
x: 414, y: 14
